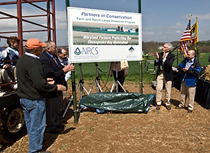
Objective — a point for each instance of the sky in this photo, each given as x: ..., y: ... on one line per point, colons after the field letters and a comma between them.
x: 162, y: 21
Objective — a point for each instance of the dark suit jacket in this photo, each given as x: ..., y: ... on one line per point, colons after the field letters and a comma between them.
x: 53, y: 70
x: 168, y: 72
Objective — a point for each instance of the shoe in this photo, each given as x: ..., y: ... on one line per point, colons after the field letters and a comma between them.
x: 177, y: 107
x: 158, y: 107
x: 60, y: 126
x: 44, y: 152
x: 55, y: 131
x: 168, y: 107
x: 189, y: 111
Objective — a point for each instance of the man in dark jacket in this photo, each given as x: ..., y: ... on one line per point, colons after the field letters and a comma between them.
x: 164, y: 61
x: 190, y: 69
x: 54, y: 69
x: 32, y: 89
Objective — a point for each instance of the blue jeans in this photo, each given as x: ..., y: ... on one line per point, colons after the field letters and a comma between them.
x: 35, y: 119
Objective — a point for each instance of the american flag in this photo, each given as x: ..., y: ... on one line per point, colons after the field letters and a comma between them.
x: 185, y: 39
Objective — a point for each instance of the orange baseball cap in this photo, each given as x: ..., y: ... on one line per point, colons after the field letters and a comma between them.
x: 34, y: 43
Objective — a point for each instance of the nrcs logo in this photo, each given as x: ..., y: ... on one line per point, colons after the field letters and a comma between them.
x: 86, y: 51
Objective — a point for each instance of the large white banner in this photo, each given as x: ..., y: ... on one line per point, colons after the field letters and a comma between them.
x: 100, y: 35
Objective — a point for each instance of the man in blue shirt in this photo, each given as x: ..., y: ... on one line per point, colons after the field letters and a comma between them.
x: 190, y: 69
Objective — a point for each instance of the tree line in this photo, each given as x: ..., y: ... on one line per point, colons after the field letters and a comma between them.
x: 152, y: 46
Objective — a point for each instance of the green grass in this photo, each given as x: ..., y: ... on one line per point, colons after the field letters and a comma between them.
x: 89, y: 72
x: 89, y: 69
x: 203, y: 59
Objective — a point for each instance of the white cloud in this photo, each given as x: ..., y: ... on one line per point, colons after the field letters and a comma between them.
x: 123, y: 1
x: 179, y: 24
x: 61, y: 21
x: 148, y: 15
x: 148, y: 33
x: 178, y: 31
x: 60, y: 16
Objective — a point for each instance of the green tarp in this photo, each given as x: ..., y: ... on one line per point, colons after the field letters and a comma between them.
x: 118, y: 102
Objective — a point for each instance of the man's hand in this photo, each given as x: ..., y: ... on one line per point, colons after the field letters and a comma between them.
x: 69, y: 67
x: 50, y: 81
x: 61, y: 87
x: 164, y: 55
x: 185, y: 69
x: 157, y: 55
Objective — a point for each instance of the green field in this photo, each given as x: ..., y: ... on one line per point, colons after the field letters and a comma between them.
x: 89, y: 69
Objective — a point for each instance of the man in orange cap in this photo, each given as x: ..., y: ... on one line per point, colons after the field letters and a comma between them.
x: 33, y: 87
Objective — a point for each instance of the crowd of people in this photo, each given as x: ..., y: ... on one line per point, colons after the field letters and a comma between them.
x: 42, y: 74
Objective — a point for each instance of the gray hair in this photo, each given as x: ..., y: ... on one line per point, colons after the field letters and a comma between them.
x: 170, y: 46
x: 49, y: 44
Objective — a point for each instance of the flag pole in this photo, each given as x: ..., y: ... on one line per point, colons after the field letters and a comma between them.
x: 75, y: 112
x: 190, y: 15
x: 197, y: 52
x: 140, y: 63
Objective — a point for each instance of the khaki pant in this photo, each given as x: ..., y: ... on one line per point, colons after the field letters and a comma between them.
x: 187, y: 91
x: 160, y: 81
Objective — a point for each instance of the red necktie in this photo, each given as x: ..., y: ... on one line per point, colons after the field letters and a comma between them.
x: 55, y: 60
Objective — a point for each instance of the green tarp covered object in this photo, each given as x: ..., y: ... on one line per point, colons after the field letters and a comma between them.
x: 118, y: 102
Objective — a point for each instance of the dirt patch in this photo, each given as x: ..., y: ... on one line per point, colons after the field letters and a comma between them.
x: 157, y: 131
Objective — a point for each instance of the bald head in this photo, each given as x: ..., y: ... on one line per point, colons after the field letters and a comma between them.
x: 190, y: 54
x: 62, y: 53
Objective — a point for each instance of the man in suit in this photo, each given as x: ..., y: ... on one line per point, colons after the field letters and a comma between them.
x: 164, y: 61
x: 54, y: 69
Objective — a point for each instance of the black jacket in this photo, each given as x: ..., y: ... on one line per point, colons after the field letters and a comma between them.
x: 53, y: 70
x: 168, y: 72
